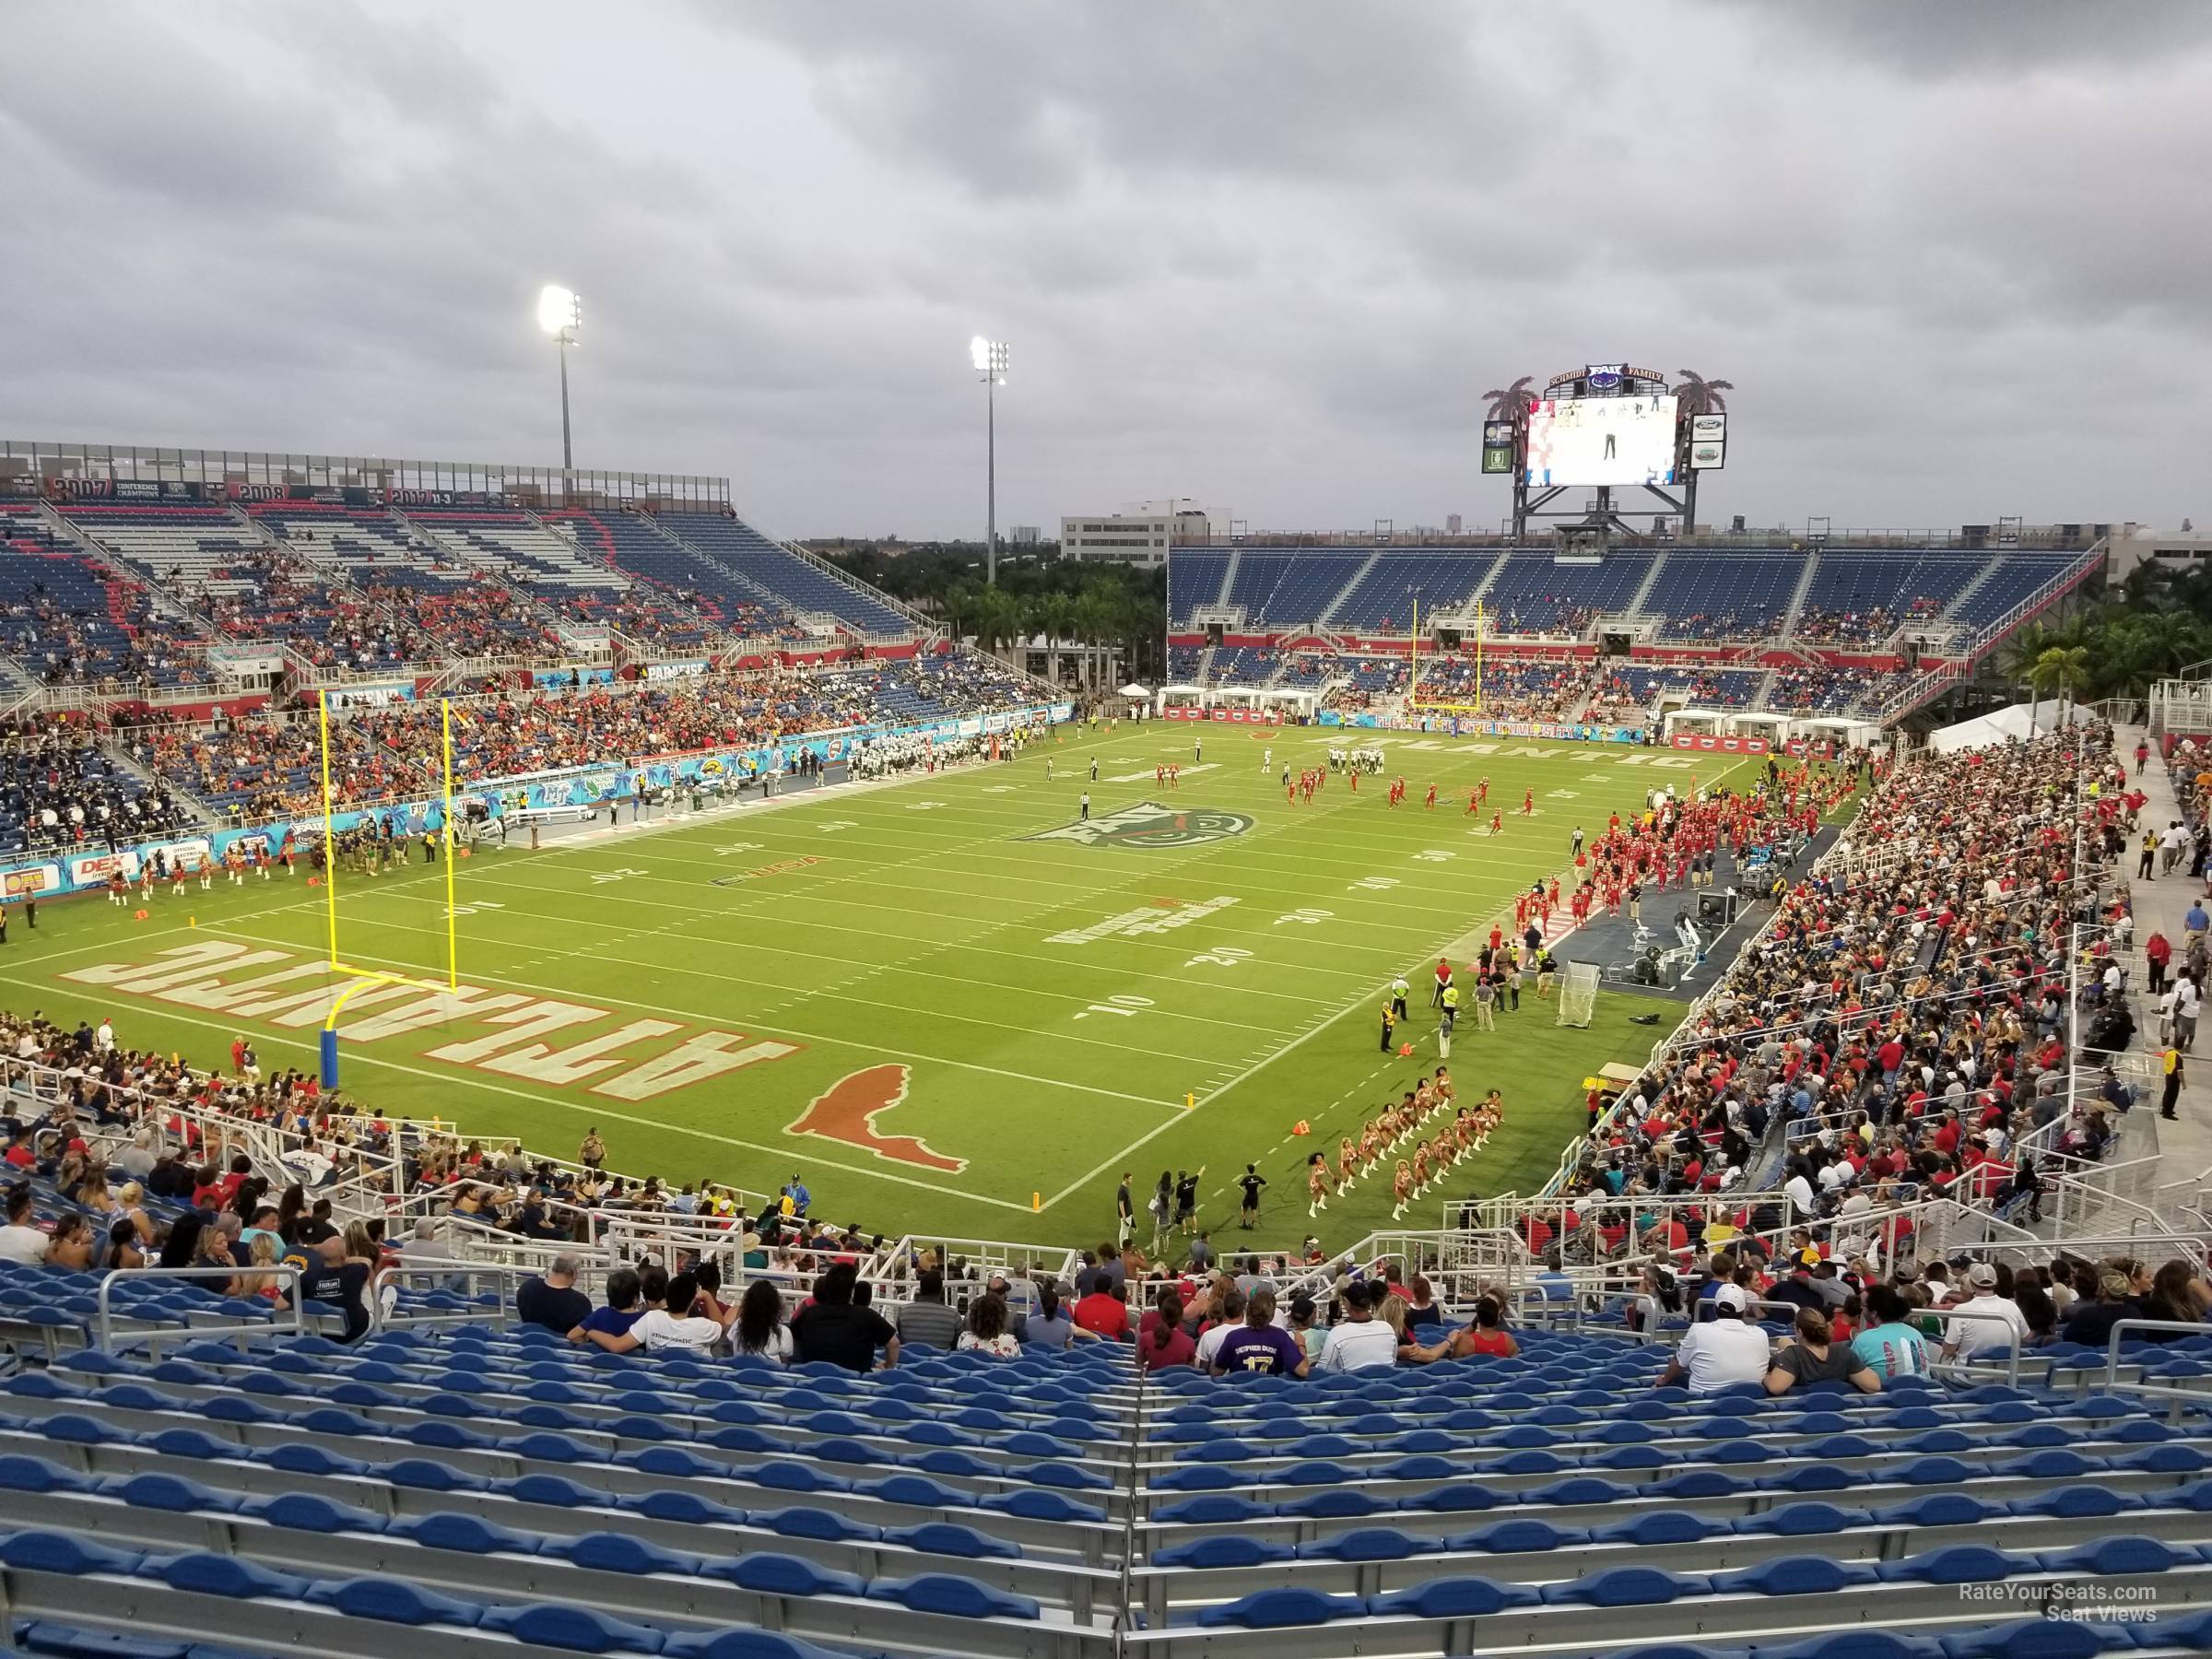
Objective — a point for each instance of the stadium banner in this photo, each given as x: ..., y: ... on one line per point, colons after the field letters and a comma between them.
x: 1717, y: 744
x: 566, y: 678
x: 447, y: 497
x: 30, y: 880
x: 1240, y: 716
x: 371, y: 697
x: 662, y: 671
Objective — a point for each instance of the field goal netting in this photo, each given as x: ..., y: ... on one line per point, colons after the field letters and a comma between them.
x: 1578, y: 993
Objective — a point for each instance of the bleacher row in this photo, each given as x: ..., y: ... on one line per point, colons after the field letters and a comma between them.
x: 105, y: 596
x: 466, y: 1480
x: 1852, y: 597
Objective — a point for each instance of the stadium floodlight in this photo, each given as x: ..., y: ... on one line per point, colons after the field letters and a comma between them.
x: 560, y: 314
x: 990, y: 360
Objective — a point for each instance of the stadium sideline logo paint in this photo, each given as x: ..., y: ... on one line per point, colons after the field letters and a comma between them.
x: 847, y: 1112
x: 1148, y: 824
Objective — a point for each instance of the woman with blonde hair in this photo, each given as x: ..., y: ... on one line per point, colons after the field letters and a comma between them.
x: 130, y: 1198
x: 263, y: 1254
x: 1391, y: 1311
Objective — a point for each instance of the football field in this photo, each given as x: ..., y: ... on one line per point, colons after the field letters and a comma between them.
x: 950, y: 1004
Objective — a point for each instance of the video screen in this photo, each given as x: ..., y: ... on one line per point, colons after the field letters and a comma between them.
x: 1590, y: 441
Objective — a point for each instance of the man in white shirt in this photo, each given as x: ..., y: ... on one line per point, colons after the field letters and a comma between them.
x: 668, y: 1327
x: 1722, y: 1351
x: 1800, y: 1192
x: 20, y: 1243
x: 1361, y: 1341
x: 1967, y: 1338
x: 1231, y: 1320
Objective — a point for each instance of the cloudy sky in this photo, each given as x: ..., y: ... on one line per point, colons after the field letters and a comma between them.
x: 1957, y: 258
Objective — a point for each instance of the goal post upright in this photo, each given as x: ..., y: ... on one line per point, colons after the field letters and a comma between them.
x: 445, y: 833
x: 360, y: 979
x: 329, y: 839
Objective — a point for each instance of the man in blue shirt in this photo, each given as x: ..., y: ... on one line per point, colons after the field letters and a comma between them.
x: 795, y: 1190
x: 2197, y: 922
x: 623, y: 1308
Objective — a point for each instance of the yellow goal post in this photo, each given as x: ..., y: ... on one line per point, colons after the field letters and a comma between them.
x: 1414, y: 705
x: 359, y: 978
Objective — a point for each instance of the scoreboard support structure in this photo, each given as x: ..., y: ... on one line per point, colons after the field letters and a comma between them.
x: 1592, y: 527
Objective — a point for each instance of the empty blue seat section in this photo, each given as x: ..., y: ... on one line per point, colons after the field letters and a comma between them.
x: 1723, y: 596
x: 1535, y: 592
x: 1443, y: 580
x: 1862, y: 597
x: 1290, y: 590
x: 1193, y: 580
x: 780, y: 576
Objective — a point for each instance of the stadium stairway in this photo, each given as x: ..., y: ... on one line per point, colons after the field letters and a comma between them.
x: 1797, y: 595
x: 425, y: 1489
x: 1337, y: 602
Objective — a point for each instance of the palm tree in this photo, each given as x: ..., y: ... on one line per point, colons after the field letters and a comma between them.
x: 1510, y: 403
x: 2063, y: 669
x: 1698, y: 395
x: 1095, y: 616
x: 996, y: 615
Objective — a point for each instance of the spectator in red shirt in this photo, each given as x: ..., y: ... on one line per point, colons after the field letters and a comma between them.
x: 1105, y: 1312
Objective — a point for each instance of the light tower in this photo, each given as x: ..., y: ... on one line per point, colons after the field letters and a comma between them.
x: 990, y: 360
x: 560, y: 314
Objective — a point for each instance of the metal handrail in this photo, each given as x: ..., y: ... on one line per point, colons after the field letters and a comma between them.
x: 503, y: 1273
x: 2112, y: 1351
x: 104, y: 1329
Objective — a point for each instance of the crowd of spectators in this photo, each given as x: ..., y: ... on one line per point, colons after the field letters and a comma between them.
x: 265, y: 764
x: 1827, y: 689
x: 1851, y: 1322
x: 1904, y: 1014
x: 286, y: 598
x: 59, y: 793
x: 1817, y: 625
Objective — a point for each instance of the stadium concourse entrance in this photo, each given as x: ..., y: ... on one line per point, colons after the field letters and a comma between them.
x: 1689, y: 939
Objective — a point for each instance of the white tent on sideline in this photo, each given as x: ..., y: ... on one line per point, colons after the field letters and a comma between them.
x: 2003, y: 725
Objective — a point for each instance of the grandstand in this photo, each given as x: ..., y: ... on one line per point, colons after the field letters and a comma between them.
x: 1797, y: 632
x: 381, y: 1432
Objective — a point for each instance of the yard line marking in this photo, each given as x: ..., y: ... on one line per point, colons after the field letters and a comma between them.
x: 718, y: 1020
x: 594, y: 1110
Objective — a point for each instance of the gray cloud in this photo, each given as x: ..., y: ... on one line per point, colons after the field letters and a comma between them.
x: 1267, y: 256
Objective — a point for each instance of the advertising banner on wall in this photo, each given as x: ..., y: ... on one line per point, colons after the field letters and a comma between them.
x: 1715, y: 742
x: 585, y: 787
x: 663, y: 671
x: 371, y: 697
x: 550, y: 678
x: 32, y: 879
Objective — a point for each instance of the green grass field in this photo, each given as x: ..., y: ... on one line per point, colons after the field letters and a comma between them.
x: 980, y: 1024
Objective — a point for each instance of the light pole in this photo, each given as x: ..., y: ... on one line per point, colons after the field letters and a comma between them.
x: 990, y: 360
x: 560, y: 314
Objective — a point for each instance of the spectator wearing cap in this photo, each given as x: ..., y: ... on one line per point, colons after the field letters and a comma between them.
x: 1969, y: 1338
x: 1722, y: 1351
x: 2091, y: 1323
